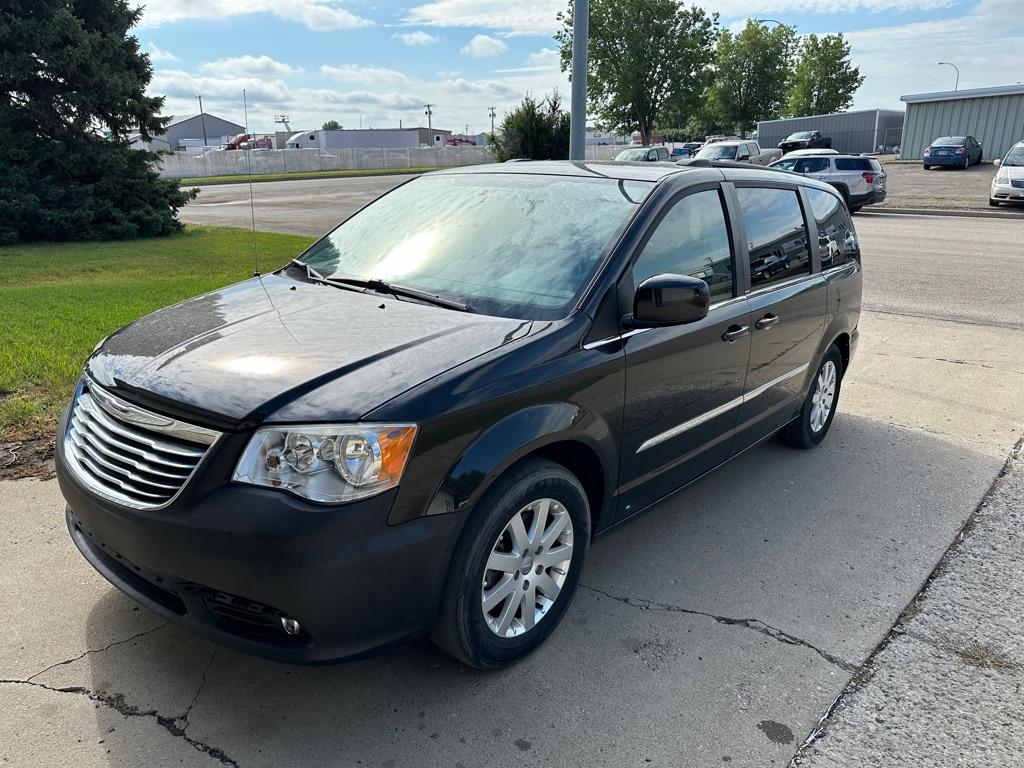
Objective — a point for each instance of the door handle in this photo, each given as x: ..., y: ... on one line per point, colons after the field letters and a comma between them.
x: 734, y: 332
x: 766, y: 322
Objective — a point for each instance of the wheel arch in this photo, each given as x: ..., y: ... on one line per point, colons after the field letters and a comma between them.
x: 563, y: 433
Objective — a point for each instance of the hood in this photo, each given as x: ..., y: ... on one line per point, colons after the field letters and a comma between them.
x: 1011, y: 171
x: 241, y: 353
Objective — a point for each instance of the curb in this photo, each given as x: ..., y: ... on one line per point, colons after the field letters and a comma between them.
x: 942, y: 212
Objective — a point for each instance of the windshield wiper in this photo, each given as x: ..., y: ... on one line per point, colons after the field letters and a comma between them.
x: 381, y: 286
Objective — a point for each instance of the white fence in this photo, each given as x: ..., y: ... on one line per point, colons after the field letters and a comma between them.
x: 235, y: 162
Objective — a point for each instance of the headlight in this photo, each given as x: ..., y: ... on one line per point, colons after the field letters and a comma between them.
x: 1002, y: 179
x: 330, y: 463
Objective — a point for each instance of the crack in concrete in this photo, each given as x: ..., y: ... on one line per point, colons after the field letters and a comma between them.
x: 95, y: 650
x: 989, y: 364
x: 199, y: 690
x: 755, y: 624
x: 118, y: 704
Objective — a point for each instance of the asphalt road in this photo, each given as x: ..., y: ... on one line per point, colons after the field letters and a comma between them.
x: 715, y: 630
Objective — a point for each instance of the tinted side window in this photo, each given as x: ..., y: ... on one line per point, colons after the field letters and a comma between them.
x: 776, y: 234
x: 853, y: 164
x: 811, y: 165
x: 837, y: 239
x: 692, y: 239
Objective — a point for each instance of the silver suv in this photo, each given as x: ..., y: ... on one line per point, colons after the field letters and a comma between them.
x: 860, y: 180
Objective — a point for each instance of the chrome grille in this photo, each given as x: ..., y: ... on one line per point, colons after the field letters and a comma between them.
x: 1018, y: 183
x: 128, y: 454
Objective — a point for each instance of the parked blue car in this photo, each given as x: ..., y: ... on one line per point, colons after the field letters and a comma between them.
x: 957, y: 151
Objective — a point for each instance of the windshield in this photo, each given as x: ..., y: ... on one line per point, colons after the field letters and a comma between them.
x: 513, y: 245
x: 632, y: 154
x: 949, y: 141
x: 718, y: 152
x: 799, y: 136
x: 1015, y: 156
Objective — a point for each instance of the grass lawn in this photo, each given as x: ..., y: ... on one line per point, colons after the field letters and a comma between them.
x: 59, y: 299
x: 240, y: 178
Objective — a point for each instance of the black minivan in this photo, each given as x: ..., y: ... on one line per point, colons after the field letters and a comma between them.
x: 418, y: 426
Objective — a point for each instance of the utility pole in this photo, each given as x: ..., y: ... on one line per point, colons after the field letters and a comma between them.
x: 202, y: 119
x: 430, y: 127
x: 491, y: 110
x: 578, y: 103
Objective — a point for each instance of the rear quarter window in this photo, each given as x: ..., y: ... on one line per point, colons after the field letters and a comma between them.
x: 854, y: 164
x: 837, y: 239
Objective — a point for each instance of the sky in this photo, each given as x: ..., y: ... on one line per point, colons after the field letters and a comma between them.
x: 373, y: 63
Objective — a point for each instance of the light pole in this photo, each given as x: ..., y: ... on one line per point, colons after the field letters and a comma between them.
x: 430, y: 126
x: 956, y: 84
x: 491, y: 111
x: 202, y: 119
x: 578, y: 101
x: 773, y: 21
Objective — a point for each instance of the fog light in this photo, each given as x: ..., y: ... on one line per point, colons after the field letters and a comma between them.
x: 290, y: 626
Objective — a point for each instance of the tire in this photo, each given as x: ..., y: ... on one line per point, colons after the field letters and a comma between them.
x: 500, y: 637
x: 993, y: 203
x: 844, y: 193
x: 855, y: 208
x: 808, y: 429
x: 927, y: 167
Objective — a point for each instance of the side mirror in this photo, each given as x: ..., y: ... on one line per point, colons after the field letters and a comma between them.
x: 743, y: 158
x: 669, y: 300
x: 997, y: 162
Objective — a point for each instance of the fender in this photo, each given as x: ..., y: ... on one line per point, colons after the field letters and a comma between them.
x: 842, y: 315
x: 517, y: 435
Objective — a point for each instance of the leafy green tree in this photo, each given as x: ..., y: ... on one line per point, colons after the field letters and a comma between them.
x: 70, y: 73
x: 331, y: 125
x: 752, y: 71
x: 646, y: 59
x: 535, y: 130
x: 824, y: 80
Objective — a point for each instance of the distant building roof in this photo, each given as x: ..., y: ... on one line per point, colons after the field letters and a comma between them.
x: 830, y: 114
x: 968, y: 93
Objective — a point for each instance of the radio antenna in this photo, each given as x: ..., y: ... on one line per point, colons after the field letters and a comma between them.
x: 248, y: 170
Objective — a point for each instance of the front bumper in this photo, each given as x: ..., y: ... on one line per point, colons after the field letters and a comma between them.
x: 227, y: 561
x: 1006, y: 193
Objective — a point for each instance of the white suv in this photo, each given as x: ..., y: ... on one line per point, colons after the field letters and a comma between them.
x: 1008, y: 184
x: 859, y: 179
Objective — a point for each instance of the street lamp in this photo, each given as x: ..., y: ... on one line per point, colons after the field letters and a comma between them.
x: 773, y: 21
x: 956, y: 84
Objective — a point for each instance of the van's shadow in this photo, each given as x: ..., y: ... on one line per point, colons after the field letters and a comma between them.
x: 826, y: 544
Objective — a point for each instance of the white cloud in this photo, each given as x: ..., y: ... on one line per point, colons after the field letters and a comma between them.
x: 419, y: 37
x: 526, y: 17
x: 353, y: 73
x: 253, y: 66
x: 903, y: 59
x: 482, y: 47
x: 159, y: 54
x: 315, y: 14
x: 755, y: 8
x: 549, y: 57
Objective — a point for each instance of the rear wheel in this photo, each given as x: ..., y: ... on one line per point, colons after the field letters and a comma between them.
x: 516, y: 566
x: 927, y: 167
x: 819, y: 408
x: 855, y: 208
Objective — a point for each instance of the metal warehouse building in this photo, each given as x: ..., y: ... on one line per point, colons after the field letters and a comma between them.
x: 994, y: 116
x: 861, y: 131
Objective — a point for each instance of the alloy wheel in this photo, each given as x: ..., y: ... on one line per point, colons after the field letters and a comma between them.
x: 527, y: 568
x: 823, y: 396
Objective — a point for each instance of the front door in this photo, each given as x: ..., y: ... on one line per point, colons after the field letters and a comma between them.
x: 684, y: 382
x: 787, y: 309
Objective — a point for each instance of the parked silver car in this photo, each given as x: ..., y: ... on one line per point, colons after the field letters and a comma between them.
x: 860, y: 180
x: 1008, y: 183
x: 742, y: 151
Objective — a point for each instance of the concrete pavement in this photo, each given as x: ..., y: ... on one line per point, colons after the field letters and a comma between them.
x: 716, y: 630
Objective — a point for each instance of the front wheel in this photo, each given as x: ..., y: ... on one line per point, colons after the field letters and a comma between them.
x: 819, y: 408
x: 993, y: 203
x: 516, y: 566
x: 927, y: 167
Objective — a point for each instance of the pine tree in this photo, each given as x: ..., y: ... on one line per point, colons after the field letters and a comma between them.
x: 72, y: 90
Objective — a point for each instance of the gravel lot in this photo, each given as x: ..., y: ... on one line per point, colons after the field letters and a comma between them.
x: 716, y: 630
x: 910, y: 186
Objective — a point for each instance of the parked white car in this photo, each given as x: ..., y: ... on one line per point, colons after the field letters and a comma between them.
x: 860, y: 180
x: 1008, y: 184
